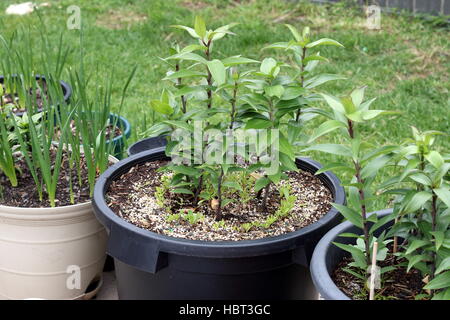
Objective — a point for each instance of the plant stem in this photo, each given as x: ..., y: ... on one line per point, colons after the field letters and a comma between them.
x: 361, y: 197
x: 233, y: 104
x: 302, y: 79
x: 198, y: 189
x: 266, y: 195
x: 209, y: 78
x: 433, y: 228
x: 219, y: 196
x: 183, y: 100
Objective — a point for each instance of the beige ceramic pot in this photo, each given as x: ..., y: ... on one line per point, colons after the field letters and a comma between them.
x: 51, y: 253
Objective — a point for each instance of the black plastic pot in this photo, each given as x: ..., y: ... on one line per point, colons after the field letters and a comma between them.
x: 66, y: 89
x: 147, y: 144
x: 155, y: 266
x: 327, y: 256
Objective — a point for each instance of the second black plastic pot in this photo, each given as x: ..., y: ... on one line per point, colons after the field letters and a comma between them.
x: 154, y: 266
x: 147, y: 144
x: 327, y: 256
x: 65, y: 87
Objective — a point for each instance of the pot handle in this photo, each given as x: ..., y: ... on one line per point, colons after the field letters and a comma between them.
x: 136, y: 251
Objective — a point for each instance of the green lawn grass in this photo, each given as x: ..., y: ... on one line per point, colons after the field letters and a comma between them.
x: 406, y: 64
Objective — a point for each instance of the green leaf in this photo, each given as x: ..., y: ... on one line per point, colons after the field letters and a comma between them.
x: 435, y: 159
x: 444, y: 265
x: 415, y: 260
x: 357, y: 254
x: 420, y: 178
x: 325, y: 128
x: 287, y: 162
x: 334, y: 103
x: 236, y: 60
x: 232, y: 185
x: 188, y: 56
x: 439, y: 237
x: 359, y: 276
x: 286, y: 147
x: 416, y: 244
x: 261, y: 183
x: 258, y: 124
x: 189, y: 171
x: 321, y: 79
x: 372, y: 168
x: 218, y: 71
x: 161, y: 107
x: 267, y: 65
x: 324, y: 42
x: 348, y: 104
x: 188, y: 29
x: 292, y: 93
x: 183, y: 190
x: 331, y: 148
x: 443, y: 194
x: 417, y: 201
x: 440, y: 282
x: 314, y: 58
x: 184, y: 74
x: 351, y: 215
x: 357, y: 96
x: 179, y: 124
x: 200, y: 27
x: 336, y: 166
x: 294, y: 32
x: 274, y: 91
x: 442, y: 295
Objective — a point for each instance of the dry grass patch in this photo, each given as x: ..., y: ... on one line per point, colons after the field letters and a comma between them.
x: 120, y: 19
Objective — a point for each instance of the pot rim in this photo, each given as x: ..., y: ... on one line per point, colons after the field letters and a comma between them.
x: 319, y: 271
x: 122, y: 123
x: 66, y: 87
x: 130, y: 148
x: 228, y: 248
x: 31, y: 213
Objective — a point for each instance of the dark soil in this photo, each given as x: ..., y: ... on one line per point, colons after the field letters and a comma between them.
x: 132, y: 197
x: 26, y: 195
x: 396, y: 284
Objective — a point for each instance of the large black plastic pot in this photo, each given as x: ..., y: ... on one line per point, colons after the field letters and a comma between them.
x: 66, y: 89
x: 327, y: 256
x: 147, y: 144
x: 155, y: 266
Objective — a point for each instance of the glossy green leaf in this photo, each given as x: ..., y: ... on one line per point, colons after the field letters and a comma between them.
x: 321, y: 79
x: 294, y: 32
x: 325, y: 128
x: 218, y: 71
x: 443, y: 266
x: 184, y: 74
x: 331, y: 148
x: 258, y: 124
x: 274, y: 91
x: 199, y: 26
x: 261, y: 183
x: 161, y: 107
x: 351, y: 215
x: 324, y: 42
x: 236, y: 60
x: 441, y: 281
x: 444, y: 194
